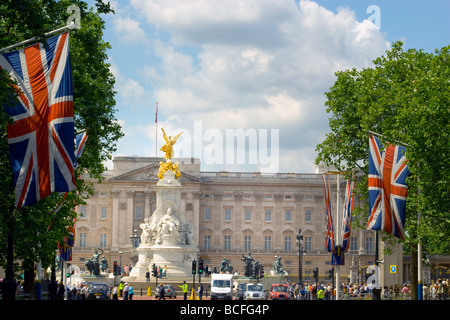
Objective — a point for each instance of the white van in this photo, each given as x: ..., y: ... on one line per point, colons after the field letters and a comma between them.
x: 221, y: 286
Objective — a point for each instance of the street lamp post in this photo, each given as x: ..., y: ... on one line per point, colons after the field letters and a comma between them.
x: 134, y: 237
x: 299, y: 242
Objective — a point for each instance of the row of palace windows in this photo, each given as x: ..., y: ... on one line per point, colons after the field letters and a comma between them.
x: 249, y: 212
x: 138, y: 214
x: 288, y: 243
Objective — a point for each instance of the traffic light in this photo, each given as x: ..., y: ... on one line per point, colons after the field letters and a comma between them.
x: 115, y: 268
x: 253, y: 273
x: 69, y: 271
x: 331, y: 273
x: 194, y: 267
x: 316, y: 273
x: 261, y: 272
x: 154, y: 271
x: 200, y: 266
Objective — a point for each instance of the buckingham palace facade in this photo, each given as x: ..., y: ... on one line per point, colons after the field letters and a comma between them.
x: 232, y: 213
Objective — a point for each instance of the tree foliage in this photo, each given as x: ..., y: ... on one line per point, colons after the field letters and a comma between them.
x: 37, y: 229
x: 404, y: 97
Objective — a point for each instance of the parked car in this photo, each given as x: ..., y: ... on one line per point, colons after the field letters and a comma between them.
x: 97, y: 291
x: 169, y: 291
x: 240, y: 291
x: 279, y: 292
x: 254, y: 292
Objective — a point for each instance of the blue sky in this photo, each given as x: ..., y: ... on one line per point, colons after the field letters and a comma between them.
x: 222, y: 70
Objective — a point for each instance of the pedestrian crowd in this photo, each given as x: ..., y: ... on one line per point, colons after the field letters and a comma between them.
x: 439, y: 290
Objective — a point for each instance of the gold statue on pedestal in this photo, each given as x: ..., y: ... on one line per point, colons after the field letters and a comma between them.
x: 169, y: 153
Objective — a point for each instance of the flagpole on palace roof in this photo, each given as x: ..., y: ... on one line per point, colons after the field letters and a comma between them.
x: 156, y: 130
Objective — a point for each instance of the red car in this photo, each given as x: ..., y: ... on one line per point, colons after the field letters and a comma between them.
x: 279, y: 292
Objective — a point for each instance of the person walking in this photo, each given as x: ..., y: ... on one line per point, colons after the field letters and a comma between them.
x: 114, y: 293
x: 130, y: 292
x: 200, y: 291
x: 161, y: 292
x: 125, y: 291
x: 61, y: 291
x: 440, y: 290
x: 184, y: 288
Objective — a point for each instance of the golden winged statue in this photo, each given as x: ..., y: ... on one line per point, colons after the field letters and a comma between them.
x: 168, y: 146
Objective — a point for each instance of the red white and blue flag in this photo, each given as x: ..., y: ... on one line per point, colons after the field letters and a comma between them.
x: 347, y: 221
x: 80, y: 141
x: 338, y: 249
x: 41, y: 139
x: 388, y: 171
x: 329, y: 241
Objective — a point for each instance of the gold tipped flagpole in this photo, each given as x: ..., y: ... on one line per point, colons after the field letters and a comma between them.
x: 156, y: 130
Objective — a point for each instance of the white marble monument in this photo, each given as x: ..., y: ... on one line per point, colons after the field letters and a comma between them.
x: 167, y: 236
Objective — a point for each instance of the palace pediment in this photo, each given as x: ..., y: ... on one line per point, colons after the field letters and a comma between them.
x: 150, y: 173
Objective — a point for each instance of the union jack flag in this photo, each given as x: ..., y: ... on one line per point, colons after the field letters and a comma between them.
x: 388, y: 171
x: 41, y: 139
x: 346, y: 222
x: 80, y: 141
x: 330, y: 232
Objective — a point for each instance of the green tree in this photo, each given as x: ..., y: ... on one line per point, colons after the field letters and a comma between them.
x: 37, y: 229
x: 404, y: 97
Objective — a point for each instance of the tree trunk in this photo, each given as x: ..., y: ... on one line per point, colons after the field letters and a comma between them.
x: 28, y: 272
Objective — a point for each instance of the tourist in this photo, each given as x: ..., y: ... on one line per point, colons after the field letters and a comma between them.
x: 125, y: 291
x: 130, y: 292
x: 114, y: 293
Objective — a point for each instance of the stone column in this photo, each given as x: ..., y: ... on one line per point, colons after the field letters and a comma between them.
x: 147, y: 204
x: 128, y: 230
x: 238, y: 220
x: 218, y: 219
x: 277, y: 221
x: 115, y: 221
x: 196, y: 217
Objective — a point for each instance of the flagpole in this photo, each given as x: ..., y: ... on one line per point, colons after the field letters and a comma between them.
x: 156, y: 130
x: 419, y: 257
x: 71, y: 26
x: 337, y: 232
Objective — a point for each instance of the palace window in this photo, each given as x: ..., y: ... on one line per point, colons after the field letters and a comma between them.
x: 287, y: 243
x: 207, y: 216
x: 82, y: 240
x: 103, y: 212
x: 227, y: 214
x: 248, y: 215
x: 268, y: 216
x: 308, y: 217
x: 138, y: 213
x: 267, y: 242
x: 102, y: 240
x: 247, y: 243
x: 227, y: 242
x: 288, y: 215
x: 207, y: 241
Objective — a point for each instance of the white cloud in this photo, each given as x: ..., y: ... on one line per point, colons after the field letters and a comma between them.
x: 249, y: 64
x: 129, y: 30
